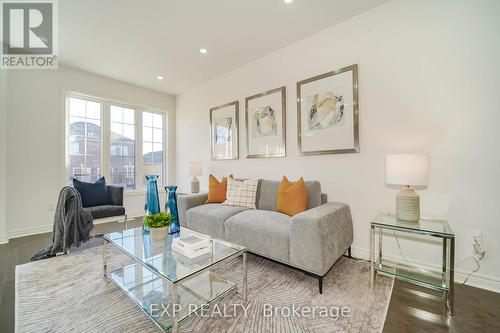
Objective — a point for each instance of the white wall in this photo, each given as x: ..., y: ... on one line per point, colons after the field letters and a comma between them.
x: 3, y: 150
x: 35, y: 134
x: 429, y: 73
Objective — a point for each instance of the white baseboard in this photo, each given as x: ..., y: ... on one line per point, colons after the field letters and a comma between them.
x: 134, y: 215
x: 130, y: 217
x: 4, y: 239
x: 21, y: 232
x: 478, y: 280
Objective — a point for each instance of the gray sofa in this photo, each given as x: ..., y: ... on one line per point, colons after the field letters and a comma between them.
x: 311, y: 241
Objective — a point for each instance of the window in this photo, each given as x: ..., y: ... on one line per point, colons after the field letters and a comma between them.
x: 119, y: 150
x: 84, y: 155
x: 152, y: 145
x: 122, y: 143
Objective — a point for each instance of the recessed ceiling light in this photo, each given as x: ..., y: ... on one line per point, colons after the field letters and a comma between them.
x: 159, y: 77
x: 203, y: 51
x: 288, y: 1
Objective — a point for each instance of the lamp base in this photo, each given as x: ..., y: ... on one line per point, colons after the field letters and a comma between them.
x: 195, y: 185
x: 408, y: 205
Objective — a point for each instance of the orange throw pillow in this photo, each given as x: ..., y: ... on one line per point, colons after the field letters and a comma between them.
x: 292, y: 197
x: 217, y: 190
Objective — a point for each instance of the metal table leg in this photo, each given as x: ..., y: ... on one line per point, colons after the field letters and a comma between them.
x: 175, y: 317
x: 372, y: 256
x: 105, y: 260
x: 444, y: 276
x: 245, y: 280
x: 380, y: 247
x: 451, y: 293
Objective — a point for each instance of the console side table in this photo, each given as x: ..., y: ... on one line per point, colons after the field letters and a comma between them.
x: 441, y: 281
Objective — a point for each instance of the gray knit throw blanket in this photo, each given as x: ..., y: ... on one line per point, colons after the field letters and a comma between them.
x: 72, y: 224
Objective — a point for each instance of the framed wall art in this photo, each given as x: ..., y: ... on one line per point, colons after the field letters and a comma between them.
x: 224, y: 131
x: 266, y: 124
x: 328, y: 114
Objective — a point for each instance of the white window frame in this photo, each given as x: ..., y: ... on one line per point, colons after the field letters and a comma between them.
x: 106, y: 140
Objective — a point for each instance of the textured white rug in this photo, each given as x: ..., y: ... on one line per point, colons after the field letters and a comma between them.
x: 68, y: 294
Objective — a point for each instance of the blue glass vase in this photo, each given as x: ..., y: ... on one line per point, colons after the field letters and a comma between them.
x: 171, y: 207
x: 152, y: 205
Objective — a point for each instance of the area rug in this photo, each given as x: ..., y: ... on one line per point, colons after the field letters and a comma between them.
x: 68, y: 294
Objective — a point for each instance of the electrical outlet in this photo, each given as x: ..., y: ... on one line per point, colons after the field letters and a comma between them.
x: 478, y: 237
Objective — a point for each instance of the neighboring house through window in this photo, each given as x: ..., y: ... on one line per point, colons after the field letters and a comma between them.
x: 122, y: 142
x: 122, y: 138
x: 152, y: 145
x: 84, y: 158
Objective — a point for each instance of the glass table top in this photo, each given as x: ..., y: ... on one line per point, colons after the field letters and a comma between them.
x: 159, y: 256
x: 423, y: 226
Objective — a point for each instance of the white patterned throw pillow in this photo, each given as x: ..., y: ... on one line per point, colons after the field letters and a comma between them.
x: 241, y: 193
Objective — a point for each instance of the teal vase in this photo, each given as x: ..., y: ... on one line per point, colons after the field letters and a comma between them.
x: 171, y: 207
x: 152, y: 205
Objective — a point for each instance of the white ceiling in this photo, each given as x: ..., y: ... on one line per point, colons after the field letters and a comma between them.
x: 135, y: 41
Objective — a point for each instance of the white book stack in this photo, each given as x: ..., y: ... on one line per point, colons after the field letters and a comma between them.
x: 191, y: 246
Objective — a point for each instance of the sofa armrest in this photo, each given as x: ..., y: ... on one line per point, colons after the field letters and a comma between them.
x: 185, y: 202
x: 116, y: 194
x: 320, y: 236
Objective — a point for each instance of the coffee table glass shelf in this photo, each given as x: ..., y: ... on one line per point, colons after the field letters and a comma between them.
x: 166, y: 285
x: 437, y: 280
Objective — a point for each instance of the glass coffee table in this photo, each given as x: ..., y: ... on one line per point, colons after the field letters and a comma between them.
x: 441, y: 280
x: 167, y: 286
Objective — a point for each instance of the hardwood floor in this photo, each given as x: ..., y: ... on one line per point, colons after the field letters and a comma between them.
x: 19, y: 251
x: 411, y: 309
x: 417, y: 309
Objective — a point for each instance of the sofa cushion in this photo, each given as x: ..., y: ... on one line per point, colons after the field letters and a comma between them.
x: 263, y: 232
x: 242, y: 193
x: 209, y: 218
x: 217, y: 190
x: 292, y: 197
x: 100, y: 212
x: 268, y: 194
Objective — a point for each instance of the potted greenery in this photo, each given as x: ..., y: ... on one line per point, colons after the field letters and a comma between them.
x: 158, y: 224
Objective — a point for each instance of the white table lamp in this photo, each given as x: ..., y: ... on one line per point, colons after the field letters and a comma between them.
x: 407, y: 170
x: 195, y: 169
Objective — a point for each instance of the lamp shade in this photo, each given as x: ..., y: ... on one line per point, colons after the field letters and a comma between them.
x: 407, y: 169
x: 195, y: 169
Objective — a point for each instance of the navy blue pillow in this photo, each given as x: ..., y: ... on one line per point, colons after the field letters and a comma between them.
x: 93, y: 194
